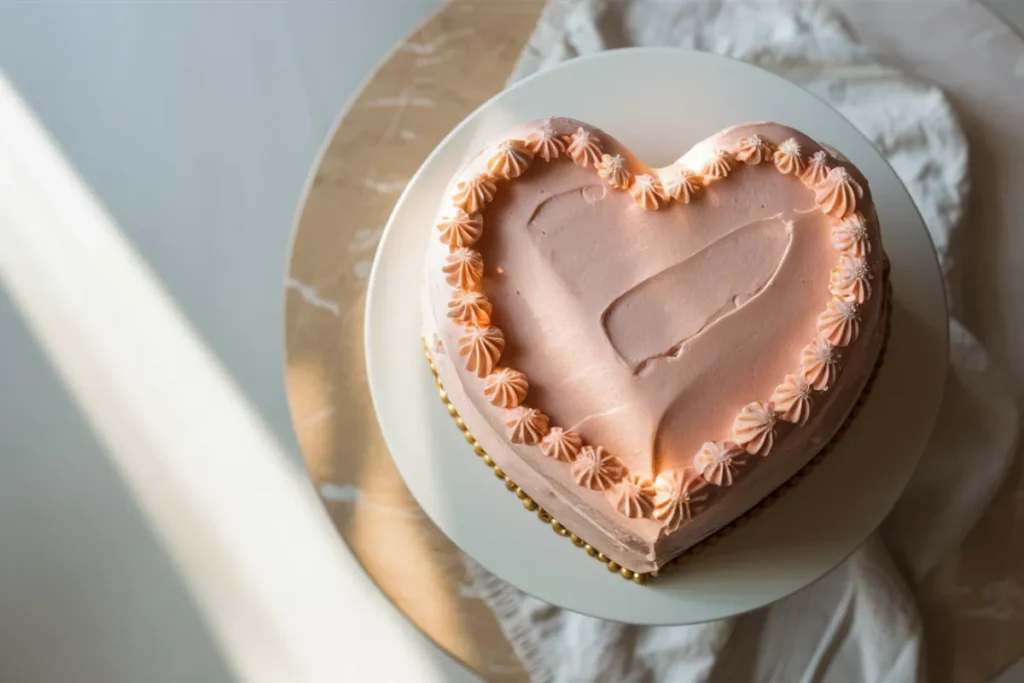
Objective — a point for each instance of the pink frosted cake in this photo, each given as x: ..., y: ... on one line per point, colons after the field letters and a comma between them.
x: 648, y: 353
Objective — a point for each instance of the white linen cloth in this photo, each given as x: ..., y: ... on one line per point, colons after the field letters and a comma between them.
x: 860, y: 622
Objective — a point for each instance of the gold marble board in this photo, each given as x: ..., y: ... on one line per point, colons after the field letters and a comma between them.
x: 422, y: 91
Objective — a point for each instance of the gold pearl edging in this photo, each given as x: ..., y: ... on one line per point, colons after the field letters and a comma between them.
x: 642, y: 577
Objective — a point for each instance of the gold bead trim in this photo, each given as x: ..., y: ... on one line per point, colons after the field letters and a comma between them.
x: 697, y: 549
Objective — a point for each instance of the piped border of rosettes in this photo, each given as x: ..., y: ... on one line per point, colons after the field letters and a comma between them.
x: 530, y: 505
x: 675, y: 496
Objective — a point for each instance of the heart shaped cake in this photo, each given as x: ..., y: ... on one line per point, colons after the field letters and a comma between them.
x: 648, y: 353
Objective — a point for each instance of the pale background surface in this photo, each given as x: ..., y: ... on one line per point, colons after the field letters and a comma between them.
x: 196, y: 124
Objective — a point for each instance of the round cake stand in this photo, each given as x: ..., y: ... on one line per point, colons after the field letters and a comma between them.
x: 809, y: 531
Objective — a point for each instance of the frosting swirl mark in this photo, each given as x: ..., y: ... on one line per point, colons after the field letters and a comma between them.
x: 838, y: 193
x: 681, y: 185
x: 470, y: 308
x: 460, y: 229
x: 850, y: 236
x: 634, y: 497
x: 463, y: 269
x: 482, y: 347
x: 511, y: 160
x: 675, y: 494
x: 718, y: 461
x: 545, y: 144
x: 646, y: 191
x: 792, y: 399
x: 471, y: 195
x: 754, y: 428
x: 506, y: 388
x: 561, y: 445
x: 817, y: 169
x: 753, y: 150
x: 818, y: 364
x: 839, y: 324
x: 528, y: 426
x: 851, y: 280
x: 613, y: 169
x: 584, y: 148
x: 717, y: 167
x: 787, y: 158
x: 597, y: 469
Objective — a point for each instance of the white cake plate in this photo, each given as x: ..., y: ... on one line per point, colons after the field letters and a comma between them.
x: 659, y: 102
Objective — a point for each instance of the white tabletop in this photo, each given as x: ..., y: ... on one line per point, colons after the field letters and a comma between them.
x: 195, y: 124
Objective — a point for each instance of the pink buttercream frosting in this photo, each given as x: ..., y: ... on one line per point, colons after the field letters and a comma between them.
x: 470, y: 308
x: 753, y: 150
x: 852, y: 237
x: 648, y: 333
x: 527, y: 426
x: 584, y: 147
x: 595, y: 468
x: 472, y: 194
x: 681, y: 185
x: 837, y: 194
x: 510, y: 160
x: 839, y: 324
x: 464, y: 269
x: 787, y: 157
x: 647, y: 191
x: 792, y: 399
x: 818, y: 363
x: 754, y: 428
x: 634, y: 496
x: 676, y: 495
x: 460, y: 229
x: 717, y: 166
x: 561, y: 444
x: 851, y: 279
x: 482, y: 347
x: 817, y: 169
x: 613, y: 169
x: 718, y: 462
x: 545, y: 144
x: 506, y: 387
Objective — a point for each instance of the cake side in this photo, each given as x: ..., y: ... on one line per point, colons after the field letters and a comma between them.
x: 753, y: 252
